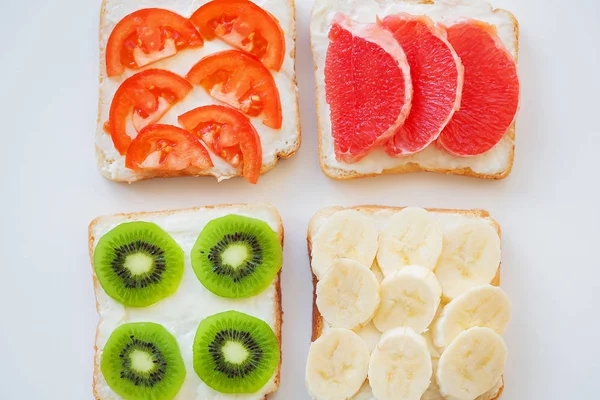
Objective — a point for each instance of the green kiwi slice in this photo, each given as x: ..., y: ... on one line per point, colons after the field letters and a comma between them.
x: 235, y: 352
x: 236, y: 256
x: 138, y: 264
x: 142, y: 361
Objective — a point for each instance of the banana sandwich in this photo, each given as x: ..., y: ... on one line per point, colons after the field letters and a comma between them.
x: 189, y: 303
x: 406, y: 305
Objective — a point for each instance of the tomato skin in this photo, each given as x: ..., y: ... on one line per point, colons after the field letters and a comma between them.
x: 229, y: 134
x: 241, y: 81
x: 167, y: 148
x: 140, y: 94
x: 245, y: 26
x: 148, y: 30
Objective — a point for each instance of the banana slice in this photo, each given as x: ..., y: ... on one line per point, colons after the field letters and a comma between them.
x: 365, y: 393
x: 470, y: 257
x: 377, y: 271
x: 433, y: 350
x: 409, y: 297
x: 370, y: 335
x: 400, y: 366
x: 472, y: 364
x: 346, y: 234
x: 485, y: 306
x: 412, y: 236
x: 348, y: 294
x: 337, y: 365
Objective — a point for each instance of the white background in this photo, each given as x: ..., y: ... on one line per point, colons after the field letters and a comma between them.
x: 51, y: 190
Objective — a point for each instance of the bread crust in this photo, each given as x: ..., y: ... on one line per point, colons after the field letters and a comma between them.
x: 340, y: 174
x: 143, y: 175
x: 141, y: 214
x: 317, y: 319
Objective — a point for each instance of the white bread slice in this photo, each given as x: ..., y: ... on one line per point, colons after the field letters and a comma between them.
x: 494, y: 164
x: 381, y: 215
x: 181, y: 312
x: 276, y: 144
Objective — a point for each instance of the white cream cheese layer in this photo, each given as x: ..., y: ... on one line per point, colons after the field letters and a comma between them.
x: 371, y: 336
x: 273, y: 141
x: 181, y: 312
x: 447, y: 12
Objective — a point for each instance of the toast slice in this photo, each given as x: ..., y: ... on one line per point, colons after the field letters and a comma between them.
x: 380, y: 215
x: 180, y: 312
x: 276, y: 144
x: 494, y: 164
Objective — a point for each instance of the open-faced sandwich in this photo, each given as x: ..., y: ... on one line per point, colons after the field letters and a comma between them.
x: 406, y: 305
x: 196, y: 88
x: 189, y: 303
x: 415, y: 85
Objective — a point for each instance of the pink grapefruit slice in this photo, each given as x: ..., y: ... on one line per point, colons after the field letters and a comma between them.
x: 490, y: 96
x: 437, y: 79
x: 367, y: 86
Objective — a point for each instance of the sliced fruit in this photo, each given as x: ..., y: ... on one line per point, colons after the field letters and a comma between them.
x: 337, y: 365
x: 241, y: 81
x: 367, y: 86
x: 490, y: 96
x: 437, y: 79
x: 472, y: 364
x: 146, y: 36
x: 167, y: 148
x: 470, y: 257
x: 145, y: 97
x: 229, y: 134
x: 348, y: 294
x: 369, y: 334
x: 400, y: 366
x: 138, y: 264
x: 409, y: 298
x: 485, y: 306
x: 377, y: 271
x: 236, y: 256
x: 142, y: 361
x: 245, y: 26
x: 346, y: 234
x: 411, y: 237
x: 235, y: 352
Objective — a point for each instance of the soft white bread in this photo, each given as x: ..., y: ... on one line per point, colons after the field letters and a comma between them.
x: 494, y: 164
x: 276, y: 144
x: 181, y: 312
x: 380, y: 215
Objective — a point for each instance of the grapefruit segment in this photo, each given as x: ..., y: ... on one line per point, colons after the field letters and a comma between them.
x: 367, y: 86
x: 490, y: 96
x: 437, y: 79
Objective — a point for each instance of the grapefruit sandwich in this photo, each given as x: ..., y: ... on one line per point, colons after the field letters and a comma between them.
x: 405, y: 86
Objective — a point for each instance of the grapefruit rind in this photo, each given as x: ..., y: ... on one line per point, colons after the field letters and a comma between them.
x: 459, y: 137
x: 417, y: 132
x: 351, y: 149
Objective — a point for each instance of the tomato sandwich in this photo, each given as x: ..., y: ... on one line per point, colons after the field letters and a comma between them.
x: 415, y: 85
x: 192, y: 88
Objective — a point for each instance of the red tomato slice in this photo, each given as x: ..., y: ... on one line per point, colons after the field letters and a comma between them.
x: 229, y: 134
x: 245, y: 26
x: 146, y: 97
x: 242, y: 82
x: 146, y: 36
x: 167, y: 148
